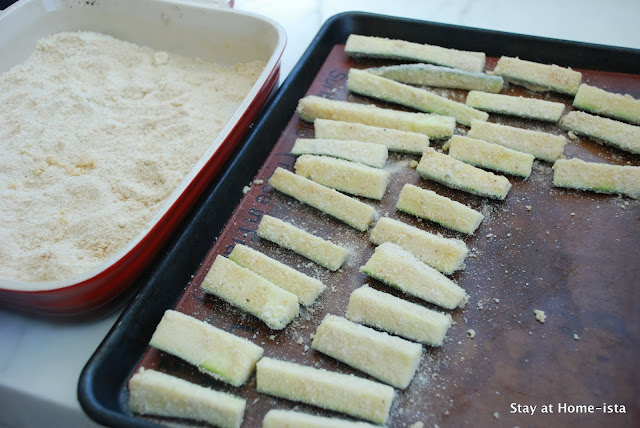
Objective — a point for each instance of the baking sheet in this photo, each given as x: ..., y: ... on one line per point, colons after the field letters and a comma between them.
x: 571, y: 254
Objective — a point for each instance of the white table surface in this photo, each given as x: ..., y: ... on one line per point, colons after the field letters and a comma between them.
x: 40, y: 361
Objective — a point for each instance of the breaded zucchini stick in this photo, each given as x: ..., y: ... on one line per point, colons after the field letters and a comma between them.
x: 456, y: 174
x: 305, y: 287
x: 616, y: 106
x: 528, y: 108
x: 434, y: 126
x: 345, y: 208
x: 374, y: 155
x: 606, y: 131
x: 440, y: 77
x: 378, y: 47
x: 395, y: 140
x: 445, y: 254
x: 491, y: 156
x: 400, y: 269
x: 316, y: 249
x: 387, y: 358
x: 542, y: 145
x: 343, y: 393
x: 158, y: 394
x: 429, y: 205
x: 348, y: 177
x: 365, y: 83
x: 538, y: 77
x: 597, y: 177
x: 398, y: 316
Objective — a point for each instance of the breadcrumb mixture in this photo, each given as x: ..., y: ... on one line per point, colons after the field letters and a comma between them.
x: 96, y: 133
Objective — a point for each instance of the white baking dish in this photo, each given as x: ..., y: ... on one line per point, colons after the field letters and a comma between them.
x: 186, y: 27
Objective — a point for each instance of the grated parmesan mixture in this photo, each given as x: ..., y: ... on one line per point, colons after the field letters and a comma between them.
x: 96, y: 133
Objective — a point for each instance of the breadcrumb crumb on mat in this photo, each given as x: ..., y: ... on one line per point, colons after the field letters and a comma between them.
x: 540, y: 315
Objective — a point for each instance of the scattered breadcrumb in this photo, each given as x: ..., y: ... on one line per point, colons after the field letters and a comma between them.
x: 300, y: 340
x: 572, y: 135
x: 575, y: 336
x: 496, y: 415
x: 528, y: 207
x: 258, y: 181
x: 413, y: 163
x: 540, y: 316
x: 246, y: 189
x: 572, y: 213
x: 471, y: 333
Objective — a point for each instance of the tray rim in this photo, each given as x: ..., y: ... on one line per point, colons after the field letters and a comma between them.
x: 333, y: 31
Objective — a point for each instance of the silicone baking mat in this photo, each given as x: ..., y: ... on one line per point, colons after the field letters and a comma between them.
x: 571, y: 254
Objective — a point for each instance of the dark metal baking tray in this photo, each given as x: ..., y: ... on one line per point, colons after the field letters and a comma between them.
x: 581, y: 268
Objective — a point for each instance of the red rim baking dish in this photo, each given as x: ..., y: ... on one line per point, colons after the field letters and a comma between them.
x: 180, y: 26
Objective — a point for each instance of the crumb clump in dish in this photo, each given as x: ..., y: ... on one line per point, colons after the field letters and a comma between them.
x: 124, y: 125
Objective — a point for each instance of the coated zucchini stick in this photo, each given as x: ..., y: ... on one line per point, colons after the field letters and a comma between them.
x: 348, y: 177
x: 542, y: 145
x: 345, y: 208
x: 398, y: 316
x: 215, y: 352
x: 616, y: 106
x: 597, y: 177
x: 538, y: 77
x: 250, y: 292
x: 365, y: 83
x: 395, y: 140
x: 158, y: 394
x: 374, y: 155
x: 378, y: 47
x: 387, y: 358
x: 456, y: 174
x: 316, y: 249
x: 342, y: 393
x: 305, y: 287
x: 602, y: 130
x: 276, y: 418
x: 433, y: 126
x: 440, y: 77
x: 490, y: 156
x: 445, y: 254
x: 400, y: 269
x: 446, y: 212
x: 528, y: 108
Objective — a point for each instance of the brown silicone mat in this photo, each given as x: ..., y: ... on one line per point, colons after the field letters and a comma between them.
x: 573, y: 255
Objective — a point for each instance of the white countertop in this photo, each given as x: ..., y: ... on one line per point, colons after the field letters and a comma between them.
x: 40, y: 361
